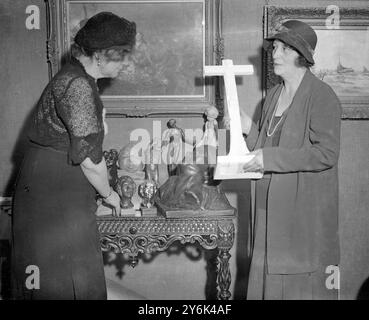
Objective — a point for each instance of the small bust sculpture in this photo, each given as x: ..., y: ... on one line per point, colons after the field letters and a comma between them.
x: 129, y: 160
x: 147, y: 191
x: 126, y: 188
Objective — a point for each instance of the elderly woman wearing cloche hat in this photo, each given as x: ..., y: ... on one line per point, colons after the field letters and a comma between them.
x: 296, y: 145
x: 54, y: 226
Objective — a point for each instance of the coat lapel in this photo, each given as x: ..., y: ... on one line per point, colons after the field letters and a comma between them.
x: 269, y: 104
x: 297, y: 115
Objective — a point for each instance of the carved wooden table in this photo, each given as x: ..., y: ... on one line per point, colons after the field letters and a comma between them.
x: 135, y: 235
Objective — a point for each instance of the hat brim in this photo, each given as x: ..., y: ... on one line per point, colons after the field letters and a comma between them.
x: 291, y: 41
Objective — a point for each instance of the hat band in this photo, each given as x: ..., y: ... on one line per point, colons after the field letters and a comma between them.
x: 295, y: 35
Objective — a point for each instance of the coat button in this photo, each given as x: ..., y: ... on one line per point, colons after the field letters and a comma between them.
x: 26, y: 188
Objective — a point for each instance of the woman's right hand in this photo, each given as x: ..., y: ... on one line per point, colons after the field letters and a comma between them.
x: 114, y: 201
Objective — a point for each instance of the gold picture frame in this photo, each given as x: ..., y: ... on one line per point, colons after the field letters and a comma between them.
x: 175, y: 39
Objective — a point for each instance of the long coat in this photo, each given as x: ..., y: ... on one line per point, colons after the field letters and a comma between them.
x: 302, y: 208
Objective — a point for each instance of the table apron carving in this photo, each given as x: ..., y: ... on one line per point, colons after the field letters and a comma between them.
x: 140, y: 235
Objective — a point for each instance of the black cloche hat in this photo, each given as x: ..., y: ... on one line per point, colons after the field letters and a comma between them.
x: 298, y: 35
x: 105, y: 30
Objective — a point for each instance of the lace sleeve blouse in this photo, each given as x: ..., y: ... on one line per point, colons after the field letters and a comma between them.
x: 69, y: 116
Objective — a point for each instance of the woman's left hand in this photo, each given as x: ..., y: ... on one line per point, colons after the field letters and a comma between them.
x: 256, y: 164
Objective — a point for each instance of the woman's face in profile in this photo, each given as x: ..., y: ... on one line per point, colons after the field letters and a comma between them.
x: 113, y: 64
x: 284, y: 58
x: 112, y: 68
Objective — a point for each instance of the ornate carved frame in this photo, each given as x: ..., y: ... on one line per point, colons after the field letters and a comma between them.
x: 134, y: 236
x: 350, y: 18
x: 146, y: 106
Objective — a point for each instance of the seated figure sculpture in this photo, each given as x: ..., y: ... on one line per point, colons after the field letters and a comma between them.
x: 191, y: 188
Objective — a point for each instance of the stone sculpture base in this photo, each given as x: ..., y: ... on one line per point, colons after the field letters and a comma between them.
x: 149, y: 212
x: 180, y: 213
x: 103, y: 210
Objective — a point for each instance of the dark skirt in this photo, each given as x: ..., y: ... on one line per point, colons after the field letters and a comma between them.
x: 266, y: 286
x: 54, y: 228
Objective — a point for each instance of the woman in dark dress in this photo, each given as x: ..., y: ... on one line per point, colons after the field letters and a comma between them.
x: 54, y: 226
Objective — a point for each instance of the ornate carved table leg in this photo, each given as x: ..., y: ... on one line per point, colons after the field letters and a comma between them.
x: 225, y: 243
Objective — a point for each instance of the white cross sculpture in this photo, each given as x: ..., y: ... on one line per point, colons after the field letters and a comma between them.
x: 231, y: 165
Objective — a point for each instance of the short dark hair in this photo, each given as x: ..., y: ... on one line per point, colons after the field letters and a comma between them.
x: 105, y: 30
x: 302, y: 62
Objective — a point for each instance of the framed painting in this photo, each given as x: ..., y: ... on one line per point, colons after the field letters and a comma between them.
x: 341, y: 55
x: 164, y: 73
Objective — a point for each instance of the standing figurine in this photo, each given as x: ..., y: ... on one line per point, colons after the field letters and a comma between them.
x: 111, y: 159
x: 211, y: 128
x: 173, y: 138
x: 209, y: 141
x: 152, y: 161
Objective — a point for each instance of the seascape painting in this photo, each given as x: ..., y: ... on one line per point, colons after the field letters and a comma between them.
x: 169, y: 54
x: 342, y: 60
x: 341, y: 54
